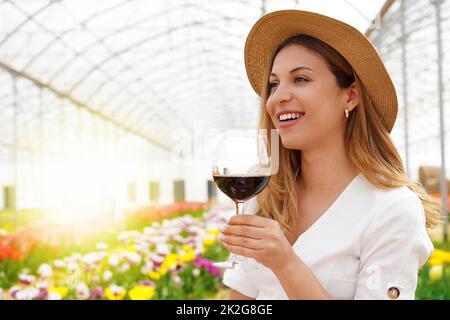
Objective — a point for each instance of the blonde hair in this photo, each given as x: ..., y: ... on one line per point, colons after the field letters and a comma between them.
x: 368, y: 145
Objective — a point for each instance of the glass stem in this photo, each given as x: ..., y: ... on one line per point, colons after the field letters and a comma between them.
x: 239, y: 207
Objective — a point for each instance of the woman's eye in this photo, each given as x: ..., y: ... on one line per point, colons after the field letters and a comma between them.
x: 272, y: 85
x: 301, y: 79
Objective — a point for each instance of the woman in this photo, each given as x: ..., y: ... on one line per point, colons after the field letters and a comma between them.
x: 340, y: 219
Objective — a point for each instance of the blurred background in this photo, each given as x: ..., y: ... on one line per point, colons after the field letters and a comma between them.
x: 109, y: 112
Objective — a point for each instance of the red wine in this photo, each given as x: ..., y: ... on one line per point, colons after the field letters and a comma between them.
x: 241, y: 188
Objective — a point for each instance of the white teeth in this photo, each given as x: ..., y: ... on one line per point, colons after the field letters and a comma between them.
x: 287, y: 116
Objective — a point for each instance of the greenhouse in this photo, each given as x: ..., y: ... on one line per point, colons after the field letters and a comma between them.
x: 112, y: 113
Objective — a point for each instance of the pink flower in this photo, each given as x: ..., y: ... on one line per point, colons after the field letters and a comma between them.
x: 97, y: 293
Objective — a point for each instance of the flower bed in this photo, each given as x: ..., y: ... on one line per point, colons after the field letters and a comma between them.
x: 171, y: 259
x: 434, y: 277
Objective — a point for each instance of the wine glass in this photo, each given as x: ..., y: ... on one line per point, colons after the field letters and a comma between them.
x: 242, y: 166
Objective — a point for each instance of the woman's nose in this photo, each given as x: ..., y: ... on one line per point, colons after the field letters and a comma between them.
x: 282, y: 94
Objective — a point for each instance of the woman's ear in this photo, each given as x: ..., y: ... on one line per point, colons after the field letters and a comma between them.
x: 352, y: 95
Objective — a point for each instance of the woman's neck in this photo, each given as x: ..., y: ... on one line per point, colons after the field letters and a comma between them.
x: 325, y: 171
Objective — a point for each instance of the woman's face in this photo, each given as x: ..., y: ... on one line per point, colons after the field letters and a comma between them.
x: 303, y: 89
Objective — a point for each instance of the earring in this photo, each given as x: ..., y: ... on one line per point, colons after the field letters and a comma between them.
x: 346, y: 113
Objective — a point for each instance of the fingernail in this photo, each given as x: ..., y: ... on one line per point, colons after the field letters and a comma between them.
x: 220, y: 237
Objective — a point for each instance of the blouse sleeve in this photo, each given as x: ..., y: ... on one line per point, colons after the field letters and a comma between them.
x: 238, y: 279
x: 393, y: 248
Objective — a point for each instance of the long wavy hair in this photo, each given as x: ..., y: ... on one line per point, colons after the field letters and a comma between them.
x: 367, y: 142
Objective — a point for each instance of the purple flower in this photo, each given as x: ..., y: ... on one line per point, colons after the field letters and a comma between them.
x: 13, y: 291
x: 148, y: 283
x: 206, y: 264
x: 42, y: 295
x: 157, y: 261
x: 215, y: 271
x: 97, y: 293
x: 26, y: 279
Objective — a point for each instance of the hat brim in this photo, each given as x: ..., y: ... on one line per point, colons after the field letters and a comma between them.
x: 275, y: 27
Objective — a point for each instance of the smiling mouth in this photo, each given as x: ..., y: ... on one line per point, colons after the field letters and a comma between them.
x: 290, y: 116
x: 289, y: 119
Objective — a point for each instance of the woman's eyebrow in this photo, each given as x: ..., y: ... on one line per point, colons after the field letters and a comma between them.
x: 295, y: 69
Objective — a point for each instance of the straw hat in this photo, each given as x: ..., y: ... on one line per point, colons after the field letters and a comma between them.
x: 273, y: 28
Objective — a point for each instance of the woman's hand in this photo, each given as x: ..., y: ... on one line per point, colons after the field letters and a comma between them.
x: 259, y: 238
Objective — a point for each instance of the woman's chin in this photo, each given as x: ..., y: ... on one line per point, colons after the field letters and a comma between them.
x: 291, y: 144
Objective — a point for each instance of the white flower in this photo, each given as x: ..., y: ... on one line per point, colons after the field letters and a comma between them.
x: 102, y: 246
x: 107, y: 275
x: 59, y: 264
x: 165, y: 224
x: 177, y: 280
x: 54, y: 296
x: 82, y: 291
x: 123, y: 237
x: 157, y: 259
x: 73, y: 267
x: 124, y: 267
x: 133, y: 257
x: 27, y: 294
x: 114, y: 260
x: 149, y: 231
x: 13, y: 290
x: 193, y: 229
x: 142, y: 249
x: 26, y: 278
x: 196, y: 272
x: 91, y: 258
x: 44, y: 270
x: 77, y: 256
x: 147, y: 268
x: 174, y: 231
x: 178, y: 238
x: 127, y: 236
x: 163, y: 248
x: 115, y: 289
x: 42, y: 284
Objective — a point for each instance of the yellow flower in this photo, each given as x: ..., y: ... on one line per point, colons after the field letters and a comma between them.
x: 441, y: 254
x: 436, y: 272
x: 445, y: 256
x: 163, y: 269
x: 115, y: 293
x: 433, y: 261
x: 186, y: 257
x: 141, y: 293
x: 131, y: 249
x: 62, y: 291
x: 187, y: 248
x: 170, y: 262
x: 154, y: 275
x: 213, y: 231
x: 208, y: 241
x: 171, y: 259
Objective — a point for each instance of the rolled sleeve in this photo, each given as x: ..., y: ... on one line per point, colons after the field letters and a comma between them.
x: 393, y: 248
x: 237, y: 279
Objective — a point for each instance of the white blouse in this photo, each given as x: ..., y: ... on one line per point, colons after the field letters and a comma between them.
x: 369, y: 244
